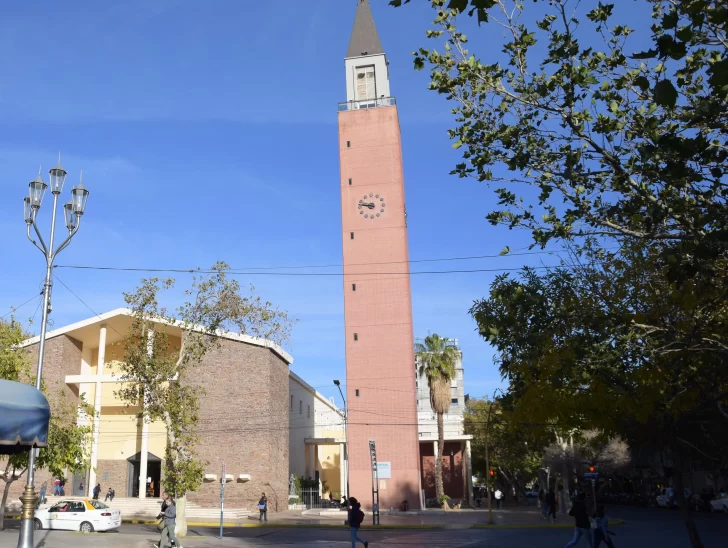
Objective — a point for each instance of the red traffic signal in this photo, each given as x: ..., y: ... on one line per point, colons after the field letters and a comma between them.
x: 591, y: 468
x: 492, y: 473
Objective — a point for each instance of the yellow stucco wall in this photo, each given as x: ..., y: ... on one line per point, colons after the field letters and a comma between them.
x: 329, y: 461
x: 119, y: 428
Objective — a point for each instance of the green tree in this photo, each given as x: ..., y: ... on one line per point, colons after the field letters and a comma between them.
x: 68, y: 443
x: 515, y: 446
x: 610, y: 342
x: 615, y: 141
x: 157, y: 374
x: 436, y: 360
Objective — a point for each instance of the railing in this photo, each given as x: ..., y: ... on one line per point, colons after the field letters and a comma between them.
x: 367, y: 103
x: 311, y: 497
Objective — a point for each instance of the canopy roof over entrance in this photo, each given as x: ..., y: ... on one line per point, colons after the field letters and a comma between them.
x: 25, y: 415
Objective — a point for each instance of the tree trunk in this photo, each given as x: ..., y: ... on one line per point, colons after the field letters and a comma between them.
x: 439, y: 488
x: 687, y: 514
x: 6, y: 492
x: 181, y: 527
x: 565, y: 492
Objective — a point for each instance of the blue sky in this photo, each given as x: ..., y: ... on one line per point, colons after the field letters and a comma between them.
x: 207, y: 131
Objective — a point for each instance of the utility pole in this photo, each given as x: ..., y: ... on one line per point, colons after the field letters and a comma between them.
x: 345, y: 457
x: 375, y: 483
x: 222, y: 497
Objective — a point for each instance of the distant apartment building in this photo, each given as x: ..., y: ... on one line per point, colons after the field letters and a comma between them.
x: 457, y: 471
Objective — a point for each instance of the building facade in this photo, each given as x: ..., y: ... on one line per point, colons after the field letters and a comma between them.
x: 245, y: 400
x: 456, y: 458
x: 380, y: 381
x: 317, y: 437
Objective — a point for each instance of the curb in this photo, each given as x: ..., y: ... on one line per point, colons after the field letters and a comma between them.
x: 615, y: 522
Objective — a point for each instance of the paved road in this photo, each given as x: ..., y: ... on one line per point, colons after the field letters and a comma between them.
x: 643, y: 528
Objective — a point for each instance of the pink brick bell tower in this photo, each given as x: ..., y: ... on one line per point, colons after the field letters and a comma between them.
x: 380, y: 363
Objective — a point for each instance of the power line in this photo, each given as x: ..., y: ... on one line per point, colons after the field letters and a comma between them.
x: 15, y: 309
x: 517, y: 253
x: 313, y: 274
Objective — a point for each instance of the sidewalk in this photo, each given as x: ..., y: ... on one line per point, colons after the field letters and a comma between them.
x: 65, y: 539
x: 518, y: 517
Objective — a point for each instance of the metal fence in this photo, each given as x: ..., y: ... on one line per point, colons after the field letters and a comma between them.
x: 311, y: 497
x: 367, y: 103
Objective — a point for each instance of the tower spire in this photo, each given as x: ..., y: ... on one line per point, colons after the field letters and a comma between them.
x: 364, y: 37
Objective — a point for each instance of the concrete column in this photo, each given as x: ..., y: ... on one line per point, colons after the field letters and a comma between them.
x: 311, y: 460
x: 342, y: 469
x: 469, y: 467
x: 97, y: 410
x: 145, y: 436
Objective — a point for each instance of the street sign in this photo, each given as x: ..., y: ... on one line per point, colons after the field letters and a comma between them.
x: 384, y: 470
x: 591, y: 476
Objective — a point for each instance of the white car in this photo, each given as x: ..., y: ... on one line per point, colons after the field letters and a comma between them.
x: 666, y: 498
x: 82, y: 515
x: 720, y: 504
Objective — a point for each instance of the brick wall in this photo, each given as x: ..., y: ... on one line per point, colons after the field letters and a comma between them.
x: 114, y: 474
x: 62, y: 357
x: 243, y: 422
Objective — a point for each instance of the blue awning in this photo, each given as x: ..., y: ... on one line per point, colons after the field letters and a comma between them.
x: 24, y: 417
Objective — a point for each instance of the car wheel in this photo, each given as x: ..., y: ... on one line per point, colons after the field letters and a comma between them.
x: 86, y: 527
x: 37, y: 525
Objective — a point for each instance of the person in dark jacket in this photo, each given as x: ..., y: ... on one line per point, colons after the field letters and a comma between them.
x: 170, y: 523
x: 355, y: 519
x: 97, y: 491
x: 263, y: 508
x: 582, y: 523
x: 601, y: 533
x: 551, y: 505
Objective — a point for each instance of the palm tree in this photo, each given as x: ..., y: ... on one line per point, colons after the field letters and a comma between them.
x: 436, y: 359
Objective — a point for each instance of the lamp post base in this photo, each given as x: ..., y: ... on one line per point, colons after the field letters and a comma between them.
x: 27, y: 518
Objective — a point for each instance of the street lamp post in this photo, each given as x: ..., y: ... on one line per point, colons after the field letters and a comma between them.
x: 487, y: 457
x: 73, y: 211
x: 346, y: 436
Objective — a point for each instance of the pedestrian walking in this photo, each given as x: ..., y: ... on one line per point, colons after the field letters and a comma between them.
x: 582, y: 523
x: 498, y: 498
x: 97, y: 491
x: 356, y: 516
x: 551, y: 505
x: 263, y: 508
x: 57, y: 487
x: 601, y: 533
x: 42, y: 496
x: 63, y: 487
x: 113, y: 494
x: 80, y: 488
x: 169, y: 514
x: 542, y: 503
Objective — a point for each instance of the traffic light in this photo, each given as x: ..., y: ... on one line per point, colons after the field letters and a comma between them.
x: 591, y: 469
x: 492, y: 473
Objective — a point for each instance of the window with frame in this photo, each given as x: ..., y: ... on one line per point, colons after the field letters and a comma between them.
x: 308, y: 411
x: 291, y: 402
x: 300, y: 407
x: 365, y: 83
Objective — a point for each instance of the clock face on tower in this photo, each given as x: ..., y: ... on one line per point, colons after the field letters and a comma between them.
x: 371, y: 206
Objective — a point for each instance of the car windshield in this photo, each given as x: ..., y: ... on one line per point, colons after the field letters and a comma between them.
x: 98, y: 505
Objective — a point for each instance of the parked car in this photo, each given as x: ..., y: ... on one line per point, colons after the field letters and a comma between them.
x: 82, y: 515
x: 532, y: 494
x: 720, y: 503
x: 666, y: 498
